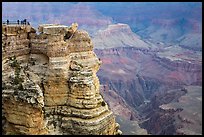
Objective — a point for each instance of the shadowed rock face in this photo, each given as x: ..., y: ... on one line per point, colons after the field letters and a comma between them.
x: 50, y: 84
x: 177, y: 112
x: 117, y: 104
x: 136, y: 74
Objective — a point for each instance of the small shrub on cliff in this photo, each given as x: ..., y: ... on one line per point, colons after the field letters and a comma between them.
x: 11, y: 133
x: 3, y: 86
x: 20, y: 87
x: 18, y: 80
x: 13, y: 62
x: 17, y: 68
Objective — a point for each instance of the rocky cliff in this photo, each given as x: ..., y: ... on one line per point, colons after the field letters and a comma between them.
x: 50, y: 84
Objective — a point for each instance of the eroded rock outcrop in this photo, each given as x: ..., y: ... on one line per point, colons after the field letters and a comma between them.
x: 176, y: 112
x: 50, y: 84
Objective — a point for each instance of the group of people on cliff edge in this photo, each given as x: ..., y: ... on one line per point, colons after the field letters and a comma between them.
x: 22, y: 22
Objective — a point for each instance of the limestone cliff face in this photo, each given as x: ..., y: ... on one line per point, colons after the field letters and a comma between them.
x: 50, y: 84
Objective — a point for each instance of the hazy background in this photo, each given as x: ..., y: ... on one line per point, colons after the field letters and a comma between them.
x: 168, y: 22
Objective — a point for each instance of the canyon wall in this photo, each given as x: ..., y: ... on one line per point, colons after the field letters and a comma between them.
x: 136, y: 74
x: 50, y: 84
x: 177, y: 112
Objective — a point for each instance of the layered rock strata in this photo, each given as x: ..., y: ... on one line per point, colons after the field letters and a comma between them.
x: 177, y: 112
x: 50, y: 84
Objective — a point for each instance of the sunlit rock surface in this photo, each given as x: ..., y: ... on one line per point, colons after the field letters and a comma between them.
x: 50, y: 84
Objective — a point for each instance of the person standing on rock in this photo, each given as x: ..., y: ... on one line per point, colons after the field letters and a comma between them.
x: 24, y: 21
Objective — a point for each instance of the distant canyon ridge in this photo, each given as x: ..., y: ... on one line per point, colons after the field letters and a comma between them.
x: 156, y: 21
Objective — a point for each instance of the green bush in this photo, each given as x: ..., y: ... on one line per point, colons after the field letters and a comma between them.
x: 17, y: 68
x: 20, y: 87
